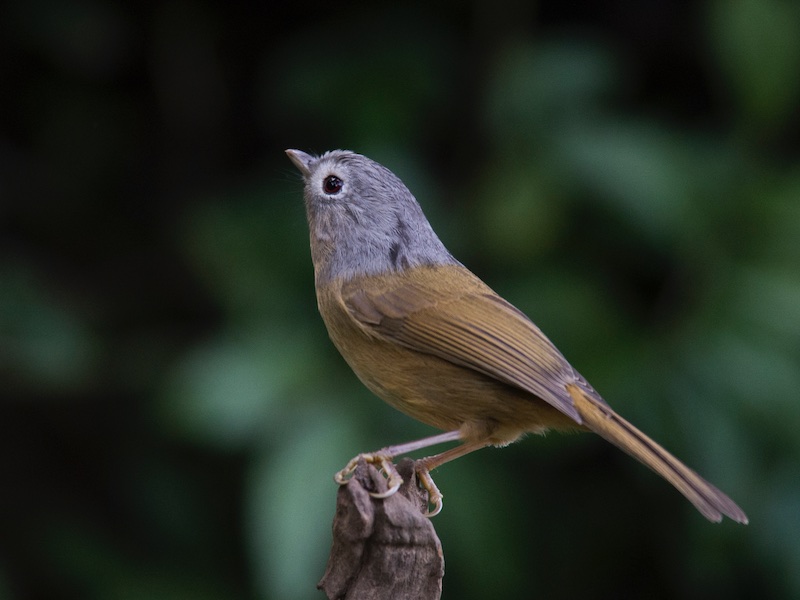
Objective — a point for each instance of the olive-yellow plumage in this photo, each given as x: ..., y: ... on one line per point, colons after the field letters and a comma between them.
x: 426, y: 335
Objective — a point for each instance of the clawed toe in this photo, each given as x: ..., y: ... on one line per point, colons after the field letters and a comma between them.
x: 435, y: 498
x: 383, y: 462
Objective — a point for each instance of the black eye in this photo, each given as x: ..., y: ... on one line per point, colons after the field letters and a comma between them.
x: 332, y: 185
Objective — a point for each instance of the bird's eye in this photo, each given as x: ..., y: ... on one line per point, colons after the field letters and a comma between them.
x: 332, y: 185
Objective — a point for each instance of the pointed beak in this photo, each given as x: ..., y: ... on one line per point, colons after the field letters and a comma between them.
x: 301, y: 160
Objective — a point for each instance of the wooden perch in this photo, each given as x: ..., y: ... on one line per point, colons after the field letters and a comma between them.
x: 383, y: 548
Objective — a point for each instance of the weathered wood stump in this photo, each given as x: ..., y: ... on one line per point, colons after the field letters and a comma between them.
x: 383, y: 548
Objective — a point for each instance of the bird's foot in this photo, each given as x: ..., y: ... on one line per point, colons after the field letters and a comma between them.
x: 381, y: 460
x: 435, y: 498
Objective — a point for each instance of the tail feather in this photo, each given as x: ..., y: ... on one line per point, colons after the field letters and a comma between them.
x: 601, y: 419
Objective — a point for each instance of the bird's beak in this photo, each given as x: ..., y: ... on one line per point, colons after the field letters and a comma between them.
x: 301, y: 160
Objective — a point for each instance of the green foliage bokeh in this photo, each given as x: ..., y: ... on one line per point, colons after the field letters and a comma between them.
x: 172, y: 411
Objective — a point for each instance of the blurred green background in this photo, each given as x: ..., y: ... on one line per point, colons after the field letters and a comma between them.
x: 172, y: 411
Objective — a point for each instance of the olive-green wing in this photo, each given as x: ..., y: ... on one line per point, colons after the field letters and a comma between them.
x: 476, y: 329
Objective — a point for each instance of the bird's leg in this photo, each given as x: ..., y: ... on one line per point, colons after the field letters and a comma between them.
x: 424, y: 465
x: 383, y: 459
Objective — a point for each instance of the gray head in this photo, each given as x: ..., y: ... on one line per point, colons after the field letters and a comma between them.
x: 362, y: 218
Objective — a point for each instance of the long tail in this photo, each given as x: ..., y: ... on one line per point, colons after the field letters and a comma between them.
x: 601, y: 419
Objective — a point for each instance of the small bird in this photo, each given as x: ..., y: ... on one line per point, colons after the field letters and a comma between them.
x: 427, y: 336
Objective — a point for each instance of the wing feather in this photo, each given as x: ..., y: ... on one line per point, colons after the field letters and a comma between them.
x: 476, y: 329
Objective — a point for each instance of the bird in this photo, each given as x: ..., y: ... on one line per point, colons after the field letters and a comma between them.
x: 427, y: 336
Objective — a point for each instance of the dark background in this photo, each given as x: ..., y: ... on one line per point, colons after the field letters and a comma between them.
x: 172, y: 411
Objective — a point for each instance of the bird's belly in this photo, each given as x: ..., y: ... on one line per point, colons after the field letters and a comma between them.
x: 448, y: 396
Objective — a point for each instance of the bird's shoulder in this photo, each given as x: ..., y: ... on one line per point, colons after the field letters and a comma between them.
x: 417, y: 291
